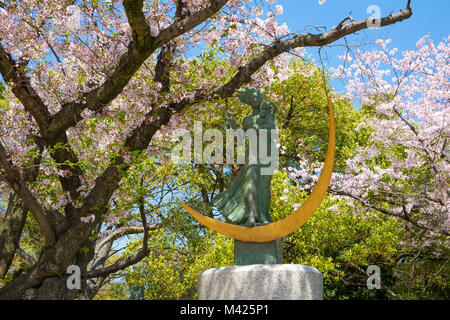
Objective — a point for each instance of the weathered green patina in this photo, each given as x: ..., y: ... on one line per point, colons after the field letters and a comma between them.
x: 246, y: 253
x: 246, y: 201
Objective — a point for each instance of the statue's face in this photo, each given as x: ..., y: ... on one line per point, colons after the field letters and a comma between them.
x: 269, y: 106
x: 250, y: 96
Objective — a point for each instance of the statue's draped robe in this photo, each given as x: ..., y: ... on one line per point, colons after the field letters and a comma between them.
x: 246, y: 201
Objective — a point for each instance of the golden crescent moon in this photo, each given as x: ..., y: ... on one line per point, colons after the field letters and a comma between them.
x: 280, y: 228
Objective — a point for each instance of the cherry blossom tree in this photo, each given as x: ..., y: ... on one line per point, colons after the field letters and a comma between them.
x: 404, y: 169
x: 94, y: 87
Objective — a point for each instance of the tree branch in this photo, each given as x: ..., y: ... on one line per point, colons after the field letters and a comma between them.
x: 142, y: 135
x: 10, y: 230
x: 138, y: 22
x: 414, y: 130
x: 386, y: 211
x: 22, y: 89
x: 13, y: 221
x: 304, y: 40
x: 142, y: 46
x: 383, y: 286
x: 21, y: 189
x: 123, y: 231
x: 120, y: 265
x: 144, y: 224
x: 28, y: 259
x: 141, y: 254
x: 180, y: 27
x: 289, y: 114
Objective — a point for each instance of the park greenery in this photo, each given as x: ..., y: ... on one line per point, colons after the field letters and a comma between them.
x: 86, y: 140
x: 341, y: 239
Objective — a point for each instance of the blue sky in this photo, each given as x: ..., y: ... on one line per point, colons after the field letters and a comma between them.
x: 429, y: 17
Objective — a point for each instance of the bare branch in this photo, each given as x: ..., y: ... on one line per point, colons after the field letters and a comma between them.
x: 290, y: 113
x: 383, y: 286
x: 141, y: 254
x: 120, y: 265
x: 123, y: 231
x: 348, y: 18
x: 144, y: 224
x: 40, y: 33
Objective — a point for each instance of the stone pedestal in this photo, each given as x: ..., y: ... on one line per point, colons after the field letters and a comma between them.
x: 261, y: 282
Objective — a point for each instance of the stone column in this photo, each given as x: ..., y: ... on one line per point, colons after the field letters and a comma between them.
x: 246, y: 253
x: 261, y: 282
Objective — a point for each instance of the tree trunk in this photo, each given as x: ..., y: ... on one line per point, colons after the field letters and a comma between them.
x: 47, y: 279
x: 10, y: 231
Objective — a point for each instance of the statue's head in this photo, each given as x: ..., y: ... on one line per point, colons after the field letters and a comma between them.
x: 251, y: 97
x: 269, y: 106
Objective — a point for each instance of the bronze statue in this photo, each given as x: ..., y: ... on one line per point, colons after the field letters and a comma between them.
x: 246, y: 201
x: 239, y: 210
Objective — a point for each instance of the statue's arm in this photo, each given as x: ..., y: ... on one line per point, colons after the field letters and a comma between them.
x: 230, y: 121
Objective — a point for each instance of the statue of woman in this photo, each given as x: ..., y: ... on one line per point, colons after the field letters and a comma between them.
x: 246, y: 201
